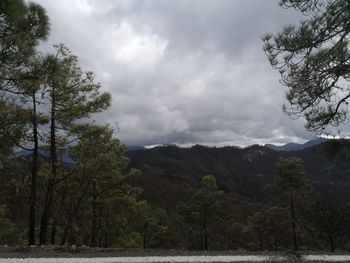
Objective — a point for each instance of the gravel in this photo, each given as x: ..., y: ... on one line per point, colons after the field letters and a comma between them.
x: 51, y: 254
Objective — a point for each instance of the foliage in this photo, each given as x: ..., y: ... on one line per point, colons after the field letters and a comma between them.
x: 330, y: 221
x: 12, y: 126
x: 73, y: 93
x: 22, y: 26
x: 313, y: 59
x: 268, y: 229
x: 199, y: 212
x: 291, y: 181
x: 156, y: 228
x: 100, y: 193
x: 8, y: 231
x: 290, y: 178
x: 72, y: 97
x: 36, y: 90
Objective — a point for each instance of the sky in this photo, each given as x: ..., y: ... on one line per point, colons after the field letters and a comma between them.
x: 181, y: 71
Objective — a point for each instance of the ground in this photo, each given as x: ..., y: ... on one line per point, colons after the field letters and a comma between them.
x: 113, y: 255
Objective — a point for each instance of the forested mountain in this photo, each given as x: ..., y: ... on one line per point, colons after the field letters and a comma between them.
x: 252, y: 216
x: 243, y: 171
x: 189, y: 198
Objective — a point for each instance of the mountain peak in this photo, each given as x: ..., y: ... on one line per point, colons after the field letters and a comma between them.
x: 290, y: 147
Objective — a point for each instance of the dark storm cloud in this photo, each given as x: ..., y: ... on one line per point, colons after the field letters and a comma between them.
x: 214, y: 26
x: 181, y: 71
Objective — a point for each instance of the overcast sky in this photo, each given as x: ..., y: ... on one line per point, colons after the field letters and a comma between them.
x: 181, y: 71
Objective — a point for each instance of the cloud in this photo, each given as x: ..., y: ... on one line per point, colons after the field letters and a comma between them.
x: 181, y: 71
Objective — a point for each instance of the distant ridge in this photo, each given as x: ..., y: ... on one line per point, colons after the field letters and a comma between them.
x: 244, y: 171
x: 45, y: 155
x: 290, y: 147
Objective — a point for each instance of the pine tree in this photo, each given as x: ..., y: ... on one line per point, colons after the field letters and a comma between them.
x: 201, y: 208
x: 73, y: 95
x: 101, y: 198
x: 313, y: 59
x: 22, y: 26
x: 29, y: 91
x: 291, y: 182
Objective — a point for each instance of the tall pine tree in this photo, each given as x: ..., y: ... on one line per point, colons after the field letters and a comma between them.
x: 73, y: 97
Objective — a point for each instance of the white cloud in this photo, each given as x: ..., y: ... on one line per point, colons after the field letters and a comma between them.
x: 181, y: 71
x: 134, y: 48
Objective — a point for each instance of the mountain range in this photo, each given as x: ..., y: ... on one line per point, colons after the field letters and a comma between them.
x: 171, y: 172
x: 296, y: 146
x: 285, y: 147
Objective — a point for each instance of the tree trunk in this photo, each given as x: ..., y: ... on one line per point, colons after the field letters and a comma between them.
x: 46, y: 212
x: 72, y: 215
x: 107, y: 241
x: 144, y: 229
x: 34, y: 173
x: 99, y: 232
x: 275, y: 242
x: 292, y: 214
x: 64, y: 235
x: 332, y: 245
x: 261, y: 239
x: 205, y: 232
x: 94, y: 217
x: 53, y: 233
x: 52, y: 177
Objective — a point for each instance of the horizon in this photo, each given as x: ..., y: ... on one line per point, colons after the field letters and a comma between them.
x: 232, y: 145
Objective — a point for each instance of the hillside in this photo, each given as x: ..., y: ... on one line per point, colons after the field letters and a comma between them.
x: 171, y: 170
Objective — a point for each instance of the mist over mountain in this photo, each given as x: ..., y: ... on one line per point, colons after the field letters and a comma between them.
x: 296, y: 146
